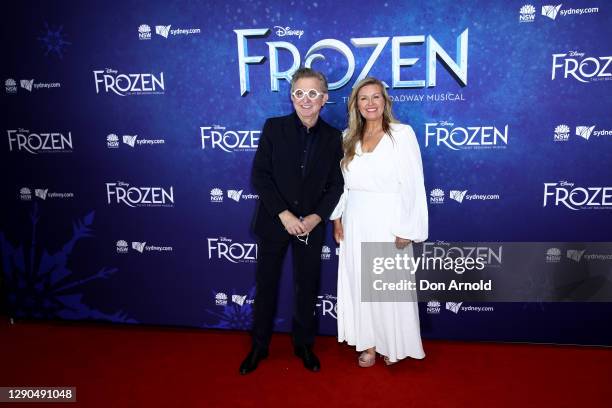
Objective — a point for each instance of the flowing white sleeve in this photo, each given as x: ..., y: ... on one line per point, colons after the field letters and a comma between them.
x: 339, y: 210
x: 412, y: 219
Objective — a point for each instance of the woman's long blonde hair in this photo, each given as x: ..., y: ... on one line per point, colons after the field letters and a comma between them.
x: 356, y: 122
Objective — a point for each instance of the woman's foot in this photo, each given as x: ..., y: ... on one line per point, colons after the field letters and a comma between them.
x: 367, y: 358
x: 389, y: 362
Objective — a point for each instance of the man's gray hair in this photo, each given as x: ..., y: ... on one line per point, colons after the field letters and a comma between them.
x: 309, y: 73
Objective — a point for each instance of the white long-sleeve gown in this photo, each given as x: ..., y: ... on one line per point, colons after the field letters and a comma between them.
x: 384, y: 197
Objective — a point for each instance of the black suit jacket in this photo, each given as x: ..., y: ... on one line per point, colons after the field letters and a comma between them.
x: 277, y: 176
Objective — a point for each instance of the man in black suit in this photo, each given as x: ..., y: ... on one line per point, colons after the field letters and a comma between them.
x: 297, y: 175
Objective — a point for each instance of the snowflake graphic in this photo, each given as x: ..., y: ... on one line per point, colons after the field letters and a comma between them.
x: 53, y: 41
x: 39, y: 286
x: 233, y: 316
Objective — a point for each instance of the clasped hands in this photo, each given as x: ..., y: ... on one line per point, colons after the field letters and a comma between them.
x: 400, y: 243
x: 295, y: 226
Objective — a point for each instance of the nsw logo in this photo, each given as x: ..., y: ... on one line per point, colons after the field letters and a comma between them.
x: 562, y: 133
x: 527, y: 13
x: 436, y: 196
x: 144, y: 32
x: 25, y: 194
x: 433, y: 307
x: 216, y: 195
x: 11, y: 86
x: 553, y: 255
x: 325, y: 253
x: 122, y: 247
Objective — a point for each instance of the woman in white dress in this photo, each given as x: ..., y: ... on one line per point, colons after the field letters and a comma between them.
x: 384, y: 201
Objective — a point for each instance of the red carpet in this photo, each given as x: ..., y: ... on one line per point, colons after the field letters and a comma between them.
x: 133, y: 366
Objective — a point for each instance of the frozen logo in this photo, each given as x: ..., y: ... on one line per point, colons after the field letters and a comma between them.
x: 121, y: 193
x: 457, y: 68
x: 327, y: 305
x: 41, y: 142
x: 574, y: 64
x: 576, y: 198
x: 489, y: 255
x: 225, y: 249
x: 218, y: 137
x: 110, y: 80
x: 453, y: 137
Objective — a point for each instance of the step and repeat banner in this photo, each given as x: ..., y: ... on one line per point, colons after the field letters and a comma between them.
x: 130, y: 128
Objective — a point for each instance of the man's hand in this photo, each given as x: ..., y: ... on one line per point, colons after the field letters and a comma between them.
x: 338, y: 230
x: 401, y: 243
x: 310, y: 221
x: 292, y: 224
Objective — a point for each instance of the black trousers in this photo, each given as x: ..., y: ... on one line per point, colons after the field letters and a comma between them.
x: 306, y: 277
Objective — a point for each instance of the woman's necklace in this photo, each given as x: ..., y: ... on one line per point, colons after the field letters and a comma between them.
x: 370, y: 141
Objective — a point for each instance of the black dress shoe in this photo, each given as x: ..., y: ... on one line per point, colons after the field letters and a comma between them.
x: 252, y: 359
x: 309, y: 358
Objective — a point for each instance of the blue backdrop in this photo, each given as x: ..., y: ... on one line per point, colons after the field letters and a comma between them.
x: 131, y: 128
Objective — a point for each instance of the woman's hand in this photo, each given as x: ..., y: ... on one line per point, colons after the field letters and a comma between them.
x: 401, y: 243
x: 338, y: 230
